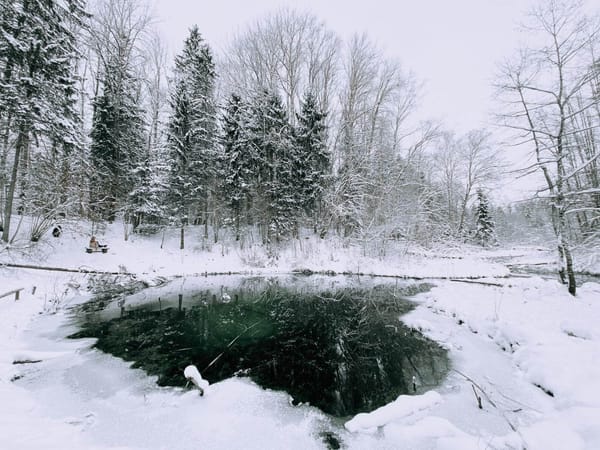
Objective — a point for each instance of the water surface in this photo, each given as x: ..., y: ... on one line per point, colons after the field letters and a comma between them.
x: 340, y: 347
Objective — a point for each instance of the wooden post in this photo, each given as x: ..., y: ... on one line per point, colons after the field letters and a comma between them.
x: 180, y: 301
x: 33, y: 290
x: 14, y: 291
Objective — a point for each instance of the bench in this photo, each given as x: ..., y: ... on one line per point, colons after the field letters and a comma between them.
x: 14, y: 291
x: 101, y: 248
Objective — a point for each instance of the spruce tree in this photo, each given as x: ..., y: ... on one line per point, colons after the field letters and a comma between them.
x: 313, y: 160
x: 192, y: 133
x: 272, y: 138
x: 239, y: 162
x: 37, y: 51
x: 146, y: 201
x: 118, y: 143
x: 484, y: 225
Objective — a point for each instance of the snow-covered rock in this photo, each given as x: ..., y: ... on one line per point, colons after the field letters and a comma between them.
x: 192, y: 374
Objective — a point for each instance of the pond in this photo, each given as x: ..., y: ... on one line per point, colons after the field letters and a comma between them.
x: 337, y: 345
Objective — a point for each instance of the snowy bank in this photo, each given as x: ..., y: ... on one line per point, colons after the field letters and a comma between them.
x: 524, y: 346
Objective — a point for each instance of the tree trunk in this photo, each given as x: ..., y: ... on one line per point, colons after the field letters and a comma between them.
x: 182, y: 238
x: 3, y: 158
x: 566, y: 264
x: 570, y: 274
x: 216, y: 226
x: 21, y: 147
x: 463, y: 211
x: 206, y: 218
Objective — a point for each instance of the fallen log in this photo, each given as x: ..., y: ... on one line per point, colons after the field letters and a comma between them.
x: 62, y: 269
x: 485, y: 283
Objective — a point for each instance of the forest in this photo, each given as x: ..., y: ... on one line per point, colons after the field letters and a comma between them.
x: 288, y: 130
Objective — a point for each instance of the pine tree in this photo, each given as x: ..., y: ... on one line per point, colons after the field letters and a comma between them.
x: 192, y: 138
x: 484, y: 231
x: 313, y: 160
x: 37, y: 50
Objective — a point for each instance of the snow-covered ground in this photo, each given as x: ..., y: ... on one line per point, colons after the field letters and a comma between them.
x: 522, y: 344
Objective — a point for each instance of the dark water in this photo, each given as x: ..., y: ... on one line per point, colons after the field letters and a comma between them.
x: 342, y: 349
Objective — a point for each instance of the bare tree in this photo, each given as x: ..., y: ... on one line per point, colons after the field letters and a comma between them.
x: 156, y: 86
x: 118, y: 33
x: 286, y: 52
x: 448, y: 165
x: 379, y: 148
x: 481, y: 165
x: 545, y: 90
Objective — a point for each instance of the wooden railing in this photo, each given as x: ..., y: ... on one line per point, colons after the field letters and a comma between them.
x: 14, y: 291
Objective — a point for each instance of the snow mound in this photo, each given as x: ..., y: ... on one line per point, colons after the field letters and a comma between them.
x: 551, y: 435
x: 191, y: 373
x: 403, y: 406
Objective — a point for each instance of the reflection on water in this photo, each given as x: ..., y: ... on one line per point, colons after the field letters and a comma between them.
x: 343, y: 350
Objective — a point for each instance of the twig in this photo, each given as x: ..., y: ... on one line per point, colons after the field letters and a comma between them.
x: 512, y: 399
x: 229, y: 345
x: 475, y: 385
x: 477, y: 397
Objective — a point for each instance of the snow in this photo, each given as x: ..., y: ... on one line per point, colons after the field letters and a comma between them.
x: 552, y: 435
x: 404, y: 405
x: 143, y: 255
x: 525, y: 346
x: 191, y: 373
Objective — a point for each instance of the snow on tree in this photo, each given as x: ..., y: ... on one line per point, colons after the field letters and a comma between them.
x: 276, y: 206
x: 484, y: 225
x: 118, y: 141
x: 146, y: 204
x: 147, y: 198
x: 551, y: 95
x: 463, y: 165
x: 285, y: 52
x: 118, y: 133
x: 192, y: 134
x: 239, y: 162
x: 312, y: 169
x: 37, y: 51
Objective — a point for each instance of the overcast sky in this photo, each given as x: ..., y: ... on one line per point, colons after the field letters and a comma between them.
x: 452, y: 45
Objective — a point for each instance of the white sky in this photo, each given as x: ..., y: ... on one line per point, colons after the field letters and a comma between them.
x: 452, y: 45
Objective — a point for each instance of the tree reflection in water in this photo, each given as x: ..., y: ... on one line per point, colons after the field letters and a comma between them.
x: 344, y: 351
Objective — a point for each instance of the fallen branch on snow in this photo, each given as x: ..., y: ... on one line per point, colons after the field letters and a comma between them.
x: 485, y: 283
